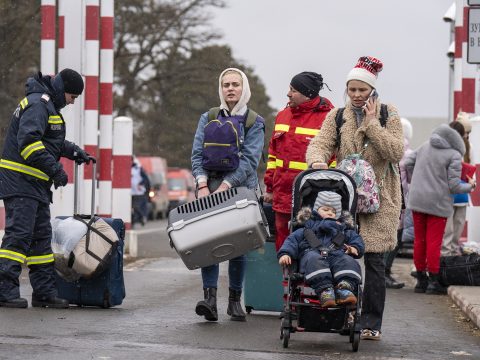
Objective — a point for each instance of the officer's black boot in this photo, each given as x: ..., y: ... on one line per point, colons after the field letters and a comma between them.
x: 19, y: 303
x: 9, y: 284
x: 391, y: 282
x: 422, y: 282
x: 234, y: 307
x: 49, y: 302
x: 208, y: 306
x: 434, y: 287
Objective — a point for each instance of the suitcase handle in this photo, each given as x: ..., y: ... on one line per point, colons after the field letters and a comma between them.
x: 75, y: 187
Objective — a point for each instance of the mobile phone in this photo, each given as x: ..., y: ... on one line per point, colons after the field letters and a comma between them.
x: 373, y: 95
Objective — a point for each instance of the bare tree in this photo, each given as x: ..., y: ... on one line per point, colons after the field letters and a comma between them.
x: 19, y: 52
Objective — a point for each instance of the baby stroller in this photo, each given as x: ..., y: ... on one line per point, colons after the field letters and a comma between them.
x: 301, y: 303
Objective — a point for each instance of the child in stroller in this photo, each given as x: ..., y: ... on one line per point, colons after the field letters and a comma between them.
x: 325, y: 248
x: 337, y: 311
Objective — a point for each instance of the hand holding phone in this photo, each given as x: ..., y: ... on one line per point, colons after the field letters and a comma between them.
x: 373, y: 95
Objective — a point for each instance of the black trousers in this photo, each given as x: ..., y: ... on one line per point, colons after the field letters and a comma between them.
x: 373, y: 291
x: 28, y: 233
x: 390, y: 256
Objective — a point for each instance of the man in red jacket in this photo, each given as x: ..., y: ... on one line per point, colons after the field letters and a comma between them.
x: 294, y: 127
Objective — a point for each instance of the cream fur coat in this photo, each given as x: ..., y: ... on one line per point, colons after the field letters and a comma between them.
x: 385, y: 146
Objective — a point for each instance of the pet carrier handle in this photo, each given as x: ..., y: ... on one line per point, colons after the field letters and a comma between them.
x: 75, y: 186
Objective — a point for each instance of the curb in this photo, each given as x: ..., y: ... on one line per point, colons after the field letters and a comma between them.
x: 467, y: 298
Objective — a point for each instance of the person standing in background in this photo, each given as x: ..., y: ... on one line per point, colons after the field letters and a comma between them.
x: 390, y: 281
x: 456, y: 222
x: 295, y: 126
x: 435, y: 170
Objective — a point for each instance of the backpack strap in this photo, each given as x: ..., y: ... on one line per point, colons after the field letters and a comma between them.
x: 383, y: 115
x: 339, y: 120
x: 213, y: 113
x: 250, y: 119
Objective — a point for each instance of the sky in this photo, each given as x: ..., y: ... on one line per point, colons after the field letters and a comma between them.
x: 280, y: 38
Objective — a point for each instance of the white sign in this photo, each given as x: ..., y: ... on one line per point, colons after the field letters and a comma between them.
x: 473, y: 53
x: 474, y: 2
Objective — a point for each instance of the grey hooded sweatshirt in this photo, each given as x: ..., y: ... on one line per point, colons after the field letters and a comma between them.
x: 436, y: 168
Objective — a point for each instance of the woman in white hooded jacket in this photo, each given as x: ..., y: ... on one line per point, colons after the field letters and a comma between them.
x: 240, y: 169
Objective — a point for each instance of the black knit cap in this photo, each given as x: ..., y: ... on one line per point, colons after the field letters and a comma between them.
x: 307, y: 83
x: 72, y: 81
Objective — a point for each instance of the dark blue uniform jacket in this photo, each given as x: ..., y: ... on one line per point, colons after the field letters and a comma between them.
x: 296, y: 245
x: 35, y: 141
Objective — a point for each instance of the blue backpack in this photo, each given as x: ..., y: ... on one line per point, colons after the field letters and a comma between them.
x: 223, y: 139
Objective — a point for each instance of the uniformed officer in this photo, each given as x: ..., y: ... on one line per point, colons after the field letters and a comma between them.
x: 29, y: 166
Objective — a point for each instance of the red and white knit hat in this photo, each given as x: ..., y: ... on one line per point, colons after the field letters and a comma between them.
x: 366, y: 70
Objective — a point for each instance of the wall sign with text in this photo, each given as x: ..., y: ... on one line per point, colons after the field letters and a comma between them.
x: 473, y: 52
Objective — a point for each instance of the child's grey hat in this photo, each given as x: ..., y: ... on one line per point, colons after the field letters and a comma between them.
x: 331, y: 199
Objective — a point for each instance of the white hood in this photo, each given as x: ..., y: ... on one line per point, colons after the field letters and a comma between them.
x: 241, y: 107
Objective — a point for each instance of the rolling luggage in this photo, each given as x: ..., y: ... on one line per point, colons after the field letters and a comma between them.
x: 460, y: 270
x: 217, y: 227
x: 105, y: 288
x: 263, y: 288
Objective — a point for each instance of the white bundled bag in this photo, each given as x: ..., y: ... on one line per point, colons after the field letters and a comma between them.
x: 82, y: 249
x: 94, y: 251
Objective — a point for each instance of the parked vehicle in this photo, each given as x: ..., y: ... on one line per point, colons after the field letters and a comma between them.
x: 181, y: 187
x: 156, y: 169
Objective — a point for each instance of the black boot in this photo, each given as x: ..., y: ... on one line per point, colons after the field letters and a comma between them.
x: 391, y: 283
x: 19, y: 303
x: 434, y: 287
x: 234, y: 307
x: 208, y: 306
x: 49, y: 302
x: 422, y: 282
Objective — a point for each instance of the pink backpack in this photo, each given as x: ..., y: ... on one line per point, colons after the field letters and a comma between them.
x: 368, y: 191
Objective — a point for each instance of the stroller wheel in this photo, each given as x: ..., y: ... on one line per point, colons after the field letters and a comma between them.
x: 286, y: 337
x: 355, y: 340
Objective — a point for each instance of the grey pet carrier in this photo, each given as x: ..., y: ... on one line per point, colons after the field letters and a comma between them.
x: 217, y: 227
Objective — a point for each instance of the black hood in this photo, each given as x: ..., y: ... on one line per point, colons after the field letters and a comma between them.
x: 53, y: 86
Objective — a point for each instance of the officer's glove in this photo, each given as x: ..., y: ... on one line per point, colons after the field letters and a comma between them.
x: 81, y: 156
x: 60, y: 178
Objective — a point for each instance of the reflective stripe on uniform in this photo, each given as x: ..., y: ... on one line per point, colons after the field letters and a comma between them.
x: 12, y: 165
x: 55, y: 119
x: 39, y: 260
x: 315, y: 273
x: 297, y: 165
x: 271, y: 165
x: 24, y: 103
x: 29, y: 149
x: 351, y: 272
x: 12, y: 255
x: 306, y: 131
x: 282, y: 127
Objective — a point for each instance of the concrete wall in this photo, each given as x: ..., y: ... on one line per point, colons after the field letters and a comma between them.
x: 422, y: 129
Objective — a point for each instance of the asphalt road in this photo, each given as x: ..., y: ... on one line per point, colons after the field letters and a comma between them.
x: 157, y: 321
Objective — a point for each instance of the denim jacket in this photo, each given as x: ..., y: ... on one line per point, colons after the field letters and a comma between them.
x: 251, y: 151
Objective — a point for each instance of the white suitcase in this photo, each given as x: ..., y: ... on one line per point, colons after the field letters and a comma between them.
x: 218, y: 227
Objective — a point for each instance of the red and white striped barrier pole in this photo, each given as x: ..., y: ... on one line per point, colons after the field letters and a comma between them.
x: 458, y: 58
x: 106, y: 108
x: 90, y: 71
x: 70, y: 55
x: 47, y: 42
x: 122, y: 164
